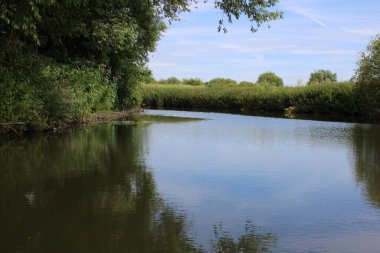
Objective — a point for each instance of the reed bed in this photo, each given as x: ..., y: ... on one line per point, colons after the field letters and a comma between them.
x: 325, y: 98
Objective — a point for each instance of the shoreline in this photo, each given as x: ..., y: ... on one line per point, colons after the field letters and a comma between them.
x: 18, y: 129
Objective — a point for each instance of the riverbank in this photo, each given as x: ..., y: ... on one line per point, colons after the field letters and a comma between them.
x: 327, y: 99
x: 19, y: 128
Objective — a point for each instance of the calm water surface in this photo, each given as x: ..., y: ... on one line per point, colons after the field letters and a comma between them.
x: 226, y: 184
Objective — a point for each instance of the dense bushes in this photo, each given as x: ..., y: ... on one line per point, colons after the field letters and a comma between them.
x: 47, y: 94
x: 320, y: 98
x: 80, y: 90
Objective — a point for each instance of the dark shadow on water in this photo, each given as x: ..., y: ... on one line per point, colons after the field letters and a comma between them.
x: 89, y: 191
x: 366, y: 143
x: 85, y: 192
x: 252, y: 241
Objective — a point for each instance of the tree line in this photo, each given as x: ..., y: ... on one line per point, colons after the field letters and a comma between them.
x: 268, y: 78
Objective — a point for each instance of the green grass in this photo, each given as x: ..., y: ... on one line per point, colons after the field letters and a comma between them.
x: 327, y: 98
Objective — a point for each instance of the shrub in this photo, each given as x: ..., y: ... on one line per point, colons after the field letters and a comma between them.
x: 72, y: 93
x: 222, y: 82
x: 246, y: 83
x: 322, y: 76
x: 271, y: 79
x: 128, y: 95
x: 170, y: 80
x: 193, y: 81
x: 47, y: 94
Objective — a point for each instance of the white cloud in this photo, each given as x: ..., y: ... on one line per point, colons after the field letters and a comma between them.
x: 308, y: 14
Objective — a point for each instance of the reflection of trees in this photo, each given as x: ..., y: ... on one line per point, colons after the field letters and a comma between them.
x: 250, y: 242
x: 84, y: 192
x: 367, y: 160
x: 89, y: 191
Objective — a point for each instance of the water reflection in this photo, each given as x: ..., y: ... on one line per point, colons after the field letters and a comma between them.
x: 366, y: 140
x: 85, y: 192
x: 252, y: 241
x: 89, y: 191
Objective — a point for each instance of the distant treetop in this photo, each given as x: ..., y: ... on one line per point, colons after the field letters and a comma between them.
x: 271, y: 79
x: 321, y: 76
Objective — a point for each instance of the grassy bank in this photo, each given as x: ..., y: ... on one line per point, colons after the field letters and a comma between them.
x: 325, y: 98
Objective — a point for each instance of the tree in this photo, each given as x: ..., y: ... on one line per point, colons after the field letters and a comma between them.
x: 256, y: 11
x: 116, y: 33
x: 367, y: 76
x: 271, y: 79
x: 321, y: 76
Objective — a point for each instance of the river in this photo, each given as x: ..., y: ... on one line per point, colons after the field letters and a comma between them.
x: 193, y: 182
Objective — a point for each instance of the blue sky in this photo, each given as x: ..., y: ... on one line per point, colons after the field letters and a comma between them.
x: 314, y: 34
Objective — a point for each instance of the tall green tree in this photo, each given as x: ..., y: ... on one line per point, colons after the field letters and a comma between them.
x: 367, y: 77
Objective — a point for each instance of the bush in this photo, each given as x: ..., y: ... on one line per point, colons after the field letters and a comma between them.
x: 72, y: 93
x: 367, y: 77
x: 222, y: 82
x: 246, y: 83
x: 322, y: 76
x: 128, y: 93
x: 41, y: 93
x: 271, y: 79
x: 193, y: 81
x: 170, y: 80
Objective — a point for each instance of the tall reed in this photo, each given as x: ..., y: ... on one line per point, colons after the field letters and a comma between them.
x: 333, y: 98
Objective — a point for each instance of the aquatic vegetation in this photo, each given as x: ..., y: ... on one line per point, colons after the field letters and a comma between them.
x: 329, y: 98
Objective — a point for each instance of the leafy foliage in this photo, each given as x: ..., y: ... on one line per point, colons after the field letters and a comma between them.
x: 270, y: 78
x: 170, y: 80
x: 246, y: 83
x: 368, y: 77
x: 325, y: 98
x: 193, y: 81
x: 322, y: 76
x: 256, y: 11
x: 222, y: 82
x: 113, y: 38
x: 40, y: 92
